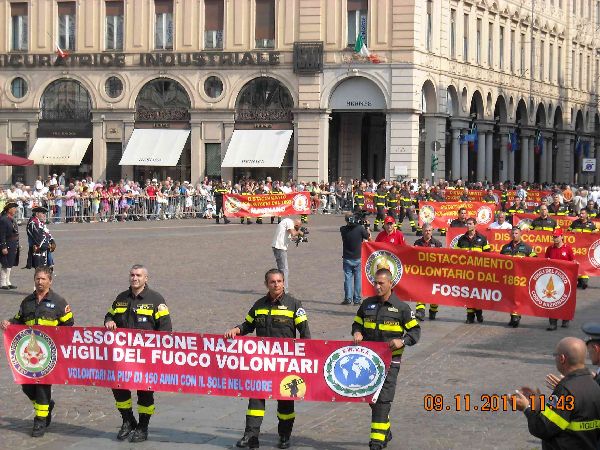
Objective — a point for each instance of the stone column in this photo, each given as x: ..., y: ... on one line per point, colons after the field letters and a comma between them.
x: 197, y: 154
x: 227, y: 172
x: 464, y: 161
x: 543, y: 162
x: 455, y: 153
x: 503, y: 155
x: 324, y: 147
x: 565, y: 158
x: 128, y: 126
x: 524, y: 172
x: 489, y: 152
x: 511, y: 166
x: 98, y: 147
x: 531, y: 163
x: 549, y: 158
x: 481, y: 144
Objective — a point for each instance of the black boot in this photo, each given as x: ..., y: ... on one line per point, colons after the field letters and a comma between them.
x: 420, y: 314
x: 284, y: 442
x: 515, y: 321
x: 553, y: 325
x: 129, y: 424
x: 49, y: 418
x: 140, y: 434
x: 39, y: 427
x: 226, y: 220
x: 470, y: 318
x: 565, y: 324
x: 376, y: 228
x: 248, y: 441
x: 432, y: 314
x: 479, y: 314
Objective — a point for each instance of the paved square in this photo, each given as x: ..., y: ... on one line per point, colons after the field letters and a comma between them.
x: 210, y: 275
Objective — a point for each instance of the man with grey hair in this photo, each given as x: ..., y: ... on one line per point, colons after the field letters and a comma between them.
x: 571, y: 416
x: 501, y: 223
x: 141, y: 308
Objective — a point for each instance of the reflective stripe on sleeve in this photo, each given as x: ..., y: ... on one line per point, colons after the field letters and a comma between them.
x: 48, y: 323
x: 557, y: 420
x: 159, y: 314
x: 66, y: 317
x: 299, y: 320
x: 413, y: 323
x: 249, y: 318
x: 358, y: 320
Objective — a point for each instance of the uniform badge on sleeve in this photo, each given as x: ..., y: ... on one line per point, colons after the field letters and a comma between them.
x: 392, y: 309
x: 300, y: 312
x: 162, y: 307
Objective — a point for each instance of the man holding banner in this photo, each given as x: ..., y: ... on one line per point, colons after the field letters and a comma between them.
x: 516, y: 247
x: 544, y: 222
x: 385, y: 318
x: 43, y: 307
x: 141, y: 308
x: 559, y: 250
x: 277, y: 314
x: 474, y: 242
x: 583, y: 225
x: 427, y: 241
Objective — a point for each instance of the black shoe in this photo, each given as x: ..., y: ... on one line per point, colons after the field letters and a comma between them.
x: 516, y: 322
x: 388, y: 438
x: 284, y: 442
x: 376, y: 445
x: 376, y: 228
x: 6, y: 288
x: 565, y: 324
x: 552, y: 327
x: 432, y: 314
x: 470, y: 318
x: 139, y: 435
x: 248, y: 441
x: 584, y: 284
x: 49, y: 417
x: 357, y: 302
x: 347, y: 302
x: 479, y: 315
x: 12, y: 286
x: 227, y: 221
x: 126, y: 428
x: 39, y: 427
x: 420, y: 314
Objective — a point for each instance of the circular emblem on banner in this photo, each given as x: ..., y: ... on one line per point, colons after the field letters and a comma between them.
x: 594, y: 254
x: 292, y: 386
x: 354, y: 371
x: 33, y: 353
x: 232, y: 205
x: 427, y: 213
x: 484, y: 214
x: 382, y: 259
x: 524, y: 224
x: 300, y: 203
x: 549, y: 288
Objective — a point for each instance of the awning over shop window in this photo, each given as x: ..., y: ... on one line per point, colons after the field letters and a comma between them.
x: 59, y: 151
x: 257, y: 148
x: 150, y: 147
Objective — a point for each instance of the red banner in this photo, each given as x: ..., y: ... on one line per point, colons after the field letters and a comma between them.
x: 586, y: 246
x: 440, y: 214
x: 534, y: 198
x: 370, y: 202
x: 532, y: 286
x: 523, y: 220
x: 275, y: 368
x: 265, y: 205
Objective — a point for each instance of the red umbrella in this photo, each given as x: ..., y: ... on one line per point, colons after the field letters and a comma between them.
x: 10, y: 160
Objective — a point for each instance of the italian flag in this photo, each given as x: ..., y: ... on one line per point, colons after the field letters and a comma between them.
x: 361, y: 49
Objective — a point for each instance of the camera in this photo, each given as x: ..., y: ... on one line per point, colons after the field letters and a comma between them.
x: 302, y: 238
x: 359, y: 218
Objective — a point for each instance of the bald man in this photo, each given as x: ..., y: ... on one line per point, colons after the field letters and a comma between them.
x: 571, y: 416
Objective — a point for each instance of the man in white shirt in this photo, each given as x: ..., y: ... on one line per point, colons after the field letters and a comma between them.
x: 285, y: 230
x: 500, y: 223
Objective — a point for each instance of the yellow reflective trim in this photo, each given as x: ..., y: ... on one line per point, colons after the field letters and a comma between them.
x: 557, y: 420
x: 383, y: 327
x: 380, y: 426
x: 146, y: 409
x: 66, y: 317
x: 299, y: 320
x: 30, y: 322
x: 144, y: 311
x: 584, y: 426
x: 398, y: 352
x: 118, y: 310
x: 39, y: 407
x: 371, y: 325
x: 256, y: 412
x: 358, y: 320
x: 261, y: 312
x: 290, y: 416
x: 124, y: 405
x: 413, y: 323
x: 48, y: 323
x: 377, y: 436
x: 159, y: 314
x: 249, y: 318
x: 282, y: 312
x: 42, y: 414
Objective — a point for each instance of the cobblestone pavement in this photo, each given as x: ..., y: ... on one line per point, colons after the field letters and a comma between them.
x: 210, y: 275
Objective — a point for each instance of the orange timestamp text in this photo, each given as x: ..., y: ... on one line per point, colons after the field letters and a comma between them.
x: 493, y: 402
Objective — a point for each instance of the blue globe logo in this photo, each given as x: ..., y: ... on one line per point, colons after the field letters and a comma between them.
x: 354, y: 371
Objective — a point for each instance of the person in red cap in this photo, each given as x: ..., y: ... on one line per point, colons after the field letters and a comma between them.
x: 389, y: 233
x: 559, y: 250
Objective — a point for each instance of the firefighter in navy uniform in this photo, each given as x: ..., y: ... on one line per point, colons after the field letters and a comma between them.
x: 570, y: 419
x: 142, y: 308
x: 489, y: 197
x: 246, y: 190
x: 461, y: 220
x: 583, y: 225
x: 359, y: 198
x: 516, y: 247
x: 384, y: 318
x: 515, y: 208
x: 392, y: 203
x: 435, y: 195
x: 42, y: 307
x: 556, y: 209
x: 380, y: 199
x: 475, y: 242
x: 39, y: 239
x: 277, y: 314
x: 427, y: 241
x: 421, y: 196
x: 591, y: 209
x: 219, y: 191
x: 544, y: 222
